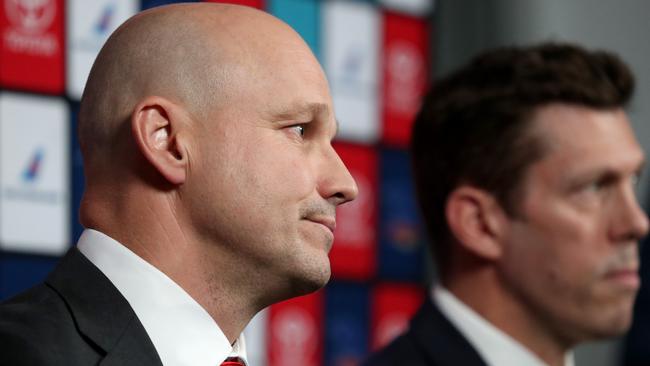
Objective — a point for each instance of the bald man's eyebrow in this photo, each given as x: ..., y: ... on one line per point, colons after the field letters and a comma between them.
x: 302, y: 112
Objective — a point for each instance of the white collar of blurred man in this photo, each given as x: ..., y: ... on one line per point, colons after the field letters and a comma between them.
x: 494, y: 346
x: 180, y: 329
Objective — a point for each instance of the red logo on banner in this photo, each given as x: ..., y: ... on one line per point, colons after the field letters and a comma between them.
x: 406, y: 72
x: 405, y: 75
x: 32, y: 45
x: 31, y: 16
x: 393, y: 307
x: 295, y: 332
x: 353, y: 253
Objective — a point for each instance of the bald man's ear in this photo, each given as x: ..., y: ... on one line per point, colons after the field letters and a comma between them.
x: 477, y: 221
x: 157, y: 126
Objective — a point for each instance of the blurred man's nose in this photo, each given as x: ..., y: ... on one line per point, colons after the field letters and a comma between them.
x: 630, y: 221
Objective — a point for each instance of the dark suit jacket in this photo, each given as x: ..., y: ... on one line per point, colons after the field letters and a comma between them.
x: 430, y: 341
x: 77, y: 317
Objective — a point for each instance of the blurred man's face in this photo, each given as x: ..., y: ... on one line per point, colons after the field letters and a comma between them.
x: 571, y: 256
x: 269, y: 178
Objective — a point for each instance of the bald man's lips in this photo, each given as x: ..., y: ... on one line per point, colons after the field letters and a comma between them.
x: 329, y: 223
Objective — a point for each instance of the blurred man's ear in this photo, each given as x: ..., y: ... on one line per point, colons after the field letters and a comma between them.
x: 476, y: 220
x: 157, y: 125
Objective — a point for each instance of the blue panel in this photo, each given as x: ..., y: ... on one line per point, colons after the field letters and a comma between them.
x: 301, y: 15
x: 77, y: 172
x: 401, y: 241
x: 146, y: 4
x: 18, y: 272
x: 347, y: 323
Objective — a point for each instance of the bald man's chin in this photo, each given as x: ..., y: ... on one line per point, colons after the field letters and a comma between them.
x: 311, y: 281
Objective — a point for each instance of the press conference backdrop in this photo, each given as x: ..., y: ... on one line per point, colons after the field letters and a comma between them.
x: 375, y: 54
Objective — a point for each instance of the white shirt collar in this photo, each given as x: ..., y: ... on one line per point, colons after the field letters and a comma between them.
x: 495, y: 347
x: 180, y: 329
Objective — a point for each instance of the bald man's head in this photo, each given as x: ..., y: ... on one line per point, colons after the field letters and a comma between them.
x: 190, y: 54
x: 207, y: 138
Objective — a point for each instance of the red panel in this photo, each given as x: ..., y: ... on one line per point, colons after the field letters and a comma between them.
x: 295, y: 332
x: 353, y: 255
x: 253, y: 3
x: 31, y: 45
x: 393, y: 307
x: 405, y: 70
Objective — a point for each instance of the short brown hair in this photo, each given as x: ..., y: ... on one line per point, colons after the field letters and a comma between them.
x: 473, y: 127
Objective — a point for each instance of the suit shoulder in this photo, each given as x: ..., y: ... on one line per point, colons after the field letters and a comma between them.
x: 31, y: 326
x: 36, y: 308
x: 19, y: 348
x: 402, y: 351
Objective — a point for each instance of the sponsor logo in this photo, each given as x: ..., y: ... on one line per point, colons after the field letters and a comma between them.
x: 28, y: 190
x: 348, y: 76
x: 105, y: 20
x: 94, y: 37
x: 296, y: 332
x: 31, y: 16
x: 33, y: 168
x: 352, y: 63
x: 29, y: 30
x: 406, y: 72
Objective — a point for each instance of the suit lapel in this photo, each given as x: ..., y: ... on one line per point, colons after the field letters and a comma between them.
x: 101, y: 313
x: 124, y: 352
x: 440, y: 341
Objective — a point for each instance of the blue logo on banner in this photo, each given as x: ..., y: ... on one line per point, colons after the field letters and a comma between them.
x: 33, y: 168
x: 30, y: 191
x: 104, y: 22
x: 352, y: 63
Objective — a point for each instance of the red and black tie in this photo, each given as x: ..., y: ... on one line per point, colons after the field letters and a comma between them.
x: 233, y: 361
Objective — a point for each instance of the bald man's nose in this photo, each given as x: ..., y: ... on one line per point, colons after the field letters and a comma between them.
x: 337, y: 183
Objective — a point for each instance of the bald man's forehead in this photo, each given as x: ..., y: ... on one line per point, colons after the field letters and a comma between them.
x: 202, y: 56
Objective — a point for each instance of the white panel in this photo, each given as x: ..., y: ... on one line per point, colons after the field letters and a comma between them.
x: 89, y: 23
x: 351, y: 60
x: 256, y: 345
x: 34, y: 174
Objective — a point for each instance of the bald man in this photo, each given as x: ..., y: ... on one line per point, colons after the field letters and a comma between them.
x: 211, y: 192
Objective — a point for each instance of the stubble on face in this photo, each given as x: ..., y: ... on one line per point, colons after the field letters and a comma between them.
x: 568, y: 259
x: 264, y: 206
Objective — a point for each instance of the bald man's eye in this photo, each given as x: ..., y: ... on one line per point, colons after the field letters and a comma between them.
x: 298, y: 130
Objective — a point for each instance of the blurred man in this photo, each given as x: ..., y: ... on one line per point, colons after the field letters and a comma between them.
x: 211, y: 192
x: 526, y: 165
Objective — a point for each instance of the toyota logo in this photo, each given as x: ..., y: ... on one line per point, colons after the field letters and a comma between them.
x: 31, y: 16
